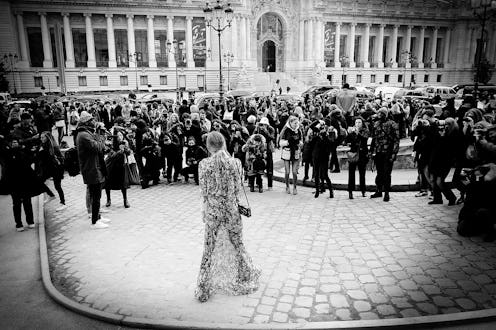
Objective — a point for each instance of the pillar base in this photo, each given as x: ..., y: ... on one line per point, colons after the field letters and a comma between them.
x: 70, y: 64
x: 380, y: 65
x: 394, y: 65
x: 337, y: 64
x: 408, y: 65
x: 352, y: 65
x: 366, y: 65
x: 152, y: 64
x: 91, y: 64
x: 172, y: 64
x: 112, y: 64
x: 22, y: 64
x: 190, y: 64
x: 433, y: 65
x: 421, y: 65
x: 48, y: 64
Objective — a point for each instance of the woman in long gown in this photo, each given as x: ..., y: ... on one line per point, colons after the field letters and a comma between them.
x: 226, y: 266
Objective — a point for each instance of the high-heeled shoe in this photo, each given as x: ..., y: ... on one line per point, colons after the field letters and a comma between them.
x: 108, y: 203
x: 331, y: 194
x: 350, y: 195
x: 288, y: 191
x: 126, y: 204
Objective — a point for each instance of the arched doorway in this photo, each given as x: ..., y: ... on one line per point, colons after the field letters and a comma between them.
x: 270, y: 43
x: 269, y: 56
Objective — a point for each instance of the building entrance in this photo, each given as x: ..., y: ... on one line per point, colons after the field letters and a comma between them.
x: 270, y: 43
x: 269, y: 56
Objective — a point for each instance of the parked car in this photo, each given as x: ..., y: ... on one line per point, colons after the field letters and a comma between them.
x: 416, y: 94
x: 289, y: 98
x: 202, y: 99
x: 398, y: 95
x: 364, y: 95
x: 22, y: 103
x: 387, y: 92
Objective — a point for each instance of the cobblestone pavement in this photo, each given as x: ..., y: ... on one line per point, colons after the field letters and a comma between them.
x: 322, y: 259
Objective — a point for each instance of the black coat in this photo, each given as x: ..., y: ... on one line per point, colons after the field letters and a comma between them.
x: 50, y: 166
x: 117, y: 177
x: 21, y: 179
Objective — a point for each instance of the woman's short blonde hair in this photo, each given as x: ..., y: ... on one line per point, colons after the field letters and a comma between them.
x: 215, y: 141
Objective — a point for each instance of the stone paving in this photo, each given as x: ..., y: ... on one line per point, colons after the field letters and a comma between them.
x: 321, y: 259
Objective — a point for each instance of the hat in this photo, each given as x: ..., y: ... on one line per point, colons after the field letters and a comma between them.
x: 85, y: 117
x: 383, y: 110
x: 252, y: 119
x: 264, y: 121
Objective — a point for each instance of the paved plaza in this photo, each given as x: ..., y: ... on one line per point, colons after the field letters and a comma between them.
x: 321, y: 259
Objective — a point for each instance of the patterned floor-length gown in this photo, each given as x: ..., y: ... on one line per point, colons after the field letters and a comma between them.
x: 226, y: 266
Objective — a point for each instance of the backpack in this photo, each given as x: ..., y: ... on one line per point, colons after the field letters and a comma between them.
x: 73, y: 119
x: 71, y: 162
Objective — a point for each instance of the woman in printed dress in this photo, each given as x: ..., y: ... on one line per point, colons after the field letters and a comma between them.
x: 226, y: 266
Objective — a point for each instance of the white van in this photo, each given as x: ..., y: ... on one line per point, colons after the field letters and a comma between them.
x: 443, y: 91
x: 5, y: 98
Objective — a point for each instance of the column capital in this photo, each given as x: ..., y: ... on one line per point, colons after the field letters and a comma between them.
x: 422, y: 28
x: 87, y: 14
x: 65, y: 14
x: 435, y: 28
x: 150, y: 16
x: 170, y: 17
x: 109, y: 15
x: 382, y: 25
x: 396, y: 26
x: 189, y: 18
x: 368, y: 25
x: 338, y: 23
x: 18, y: 12
x: 42, y: 13
x: 353, y: 24
x: 129, y: 16
x: 410, y: 26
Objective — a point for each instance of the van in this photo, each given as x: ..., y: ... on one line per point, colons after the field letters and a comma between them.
x: 443, y: 91
x: 5, y: 98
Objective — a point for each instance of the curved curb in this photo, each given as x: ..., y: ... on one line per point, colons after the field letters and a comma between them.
x: 407, y: 323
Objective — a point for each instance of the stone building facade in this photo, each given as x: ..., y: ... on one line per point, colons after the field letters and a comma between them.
x: 89, y: 45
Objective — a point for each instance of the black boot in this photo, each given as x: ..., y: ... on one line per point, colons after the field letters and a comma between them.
x: 350, y: 194
x: 108, y: 203
x: 252, y: 188
x: 126, y: 204
x: 331, y: 193
x: 386, y: 197
x: 260, y: 189
x: 376, y: 194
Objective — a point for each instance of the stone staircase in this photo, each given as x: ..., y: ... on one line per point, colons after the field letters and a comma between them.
x: 264, y: 81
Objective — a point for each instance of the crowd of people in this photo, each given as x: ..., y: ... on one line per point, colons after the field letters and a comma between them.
x: 126, y: 142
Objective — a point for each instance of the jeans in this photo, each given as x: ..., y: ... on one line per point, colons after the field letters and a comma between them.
x: 384, y: 167
x: 270, y: 169
x: 57, y: 182
x: 95, y: 193
x: 361, y: 165
x: 17, y: 200
x: 321, y: 175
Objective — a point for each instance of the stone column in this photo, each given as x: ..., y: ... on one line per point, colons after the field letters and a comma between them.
x: 131, y: 45
x: 447, y: 41
x: 366, y: 44
x: 352, y: 45
x: 337, y: 43
x: 23, y: 61
x: 90, y: 42
x: 320, y: 42
x: 69, y: 46
x: 394, y: 48
x: 45, y: 37
x: 316, y: 40
x: 152, y: 60
x: 420, y: 54
x: 248, y: 38
x: 301, y: 41
x: 434, y: 48
x: 171, y: 59
x: 190, y: 63
x: 310, y: 53
x: 491, y: 55
x: 242, y: 38
x: 112, y: 63
x: 380, y: 44
x: 408, y: 46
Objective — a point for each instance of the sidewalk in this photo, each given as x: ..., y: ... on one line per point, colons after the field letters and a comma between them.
x: 325, y: 263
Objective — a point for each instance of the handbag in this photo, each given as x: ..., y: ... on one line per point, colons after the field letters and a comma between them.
x: 352, y: 157
x: 244, y: 210
x: 286, y: 153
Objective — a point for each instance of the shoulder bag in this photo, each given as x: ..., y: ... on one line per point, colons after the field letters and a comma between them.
x: 244, y: 210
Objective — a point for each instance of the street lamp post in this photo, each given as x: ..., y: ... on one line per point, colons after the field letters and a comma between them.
x: 228, y: 58
x: 214, y: 18
x: 12, y: 59
x: 480, y: 5
x: 174, y: 48
x: 343, y: 59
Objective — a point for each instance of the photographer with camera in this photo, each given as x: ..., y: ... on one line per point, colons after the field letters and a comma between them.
x: 256, y: 154
x: 384, y: 148
x: 323, y: 138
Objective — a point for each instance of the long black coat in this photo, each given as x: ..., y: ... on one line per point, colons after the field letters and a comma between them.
x: 21, y: 179
x: 117, y: 177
